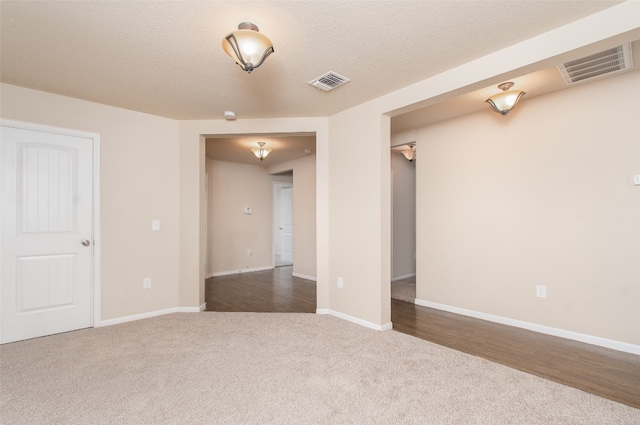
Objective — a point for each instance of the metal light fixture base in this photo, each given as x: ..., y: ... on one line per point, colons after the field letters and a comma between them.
x: 248, y: 26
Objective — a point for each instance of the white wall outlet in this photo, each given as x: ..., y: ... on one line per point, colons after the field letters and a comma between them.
x: 248, y: 210
x: 541, y: 291
x: 340, y: 282
x: 155, y: 224
x: 146, y: 283
x: 250, y: 253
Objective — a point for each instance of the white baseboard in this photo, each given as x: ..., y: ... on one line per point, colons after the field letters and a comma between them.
x: 238, y: 271
x: 386, y: 327
x: 576, y: 336
x: 406, y: 276
x: 305, y: 276
x: 355, y: 320
x: 149, y: 314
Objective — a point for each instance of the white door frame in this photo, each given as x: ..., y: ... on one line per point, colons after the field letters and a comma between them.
x: 96, y: 263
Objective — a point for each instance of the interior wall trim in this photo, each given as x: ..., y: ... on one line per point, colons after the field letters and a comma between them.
x: 356, y: 320
x: 562, y: 333
x: 405, y: 276
x: 238, y: 271
x: 134, y: 317
x: 304, y: 276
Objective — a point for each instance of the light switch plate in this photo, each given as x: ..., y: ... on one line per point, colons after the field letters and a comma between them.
x: 636, y: 179
x: 155, y: 224
x: 248, y: 210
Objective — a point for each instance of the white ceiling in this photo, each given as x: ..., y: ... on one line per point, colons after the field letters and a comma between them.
x: 165, y: 57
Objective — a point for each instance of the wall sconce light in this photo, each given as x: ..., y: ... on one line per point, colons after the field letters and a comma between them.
x: 410, y: 154
x: 506, y: 100
x: 261, y: 152
x: 247, y: 46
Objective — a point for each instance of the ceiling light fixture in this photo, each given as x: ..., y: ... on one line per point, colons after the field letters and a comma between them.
x: 247, y: 46
x: 410, y: 154
x: 261, y: 152
x: 506, y: 100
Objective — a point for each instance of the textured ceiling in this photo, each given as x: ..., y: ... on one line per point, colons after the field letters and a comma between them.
x: 535, y: 84
x: 238, y: 149
x: 165, y: 57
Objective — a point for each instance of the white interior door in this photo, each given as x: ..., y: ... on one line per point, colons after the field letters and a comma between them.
x: 46, y: 235
x: 286, y: 224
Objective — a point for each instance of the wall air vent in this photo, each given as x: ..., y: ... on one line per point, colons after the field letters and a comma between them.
x: 329, y: 81
x: 597, y: 65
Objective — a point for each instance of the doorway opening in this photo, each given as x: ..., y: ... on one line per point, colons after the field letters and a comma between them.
x: 282, y: 224
x: 403, y: 222
x: 251, y: 210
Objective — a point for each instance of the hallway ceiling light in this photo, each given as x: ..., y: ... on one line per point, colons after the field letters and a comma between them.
x: 247, y: 46
x: 410, y: 154
x: 506, y: 100
x: 261, y: 152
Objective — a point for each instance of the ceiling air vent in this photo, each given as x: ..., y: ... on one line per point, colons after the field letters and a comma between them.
x: 329, y: 81
x: 609, y: 61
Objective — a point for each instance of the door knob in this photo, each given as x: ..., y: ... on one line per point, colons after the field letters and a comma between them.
x: 86, y: 242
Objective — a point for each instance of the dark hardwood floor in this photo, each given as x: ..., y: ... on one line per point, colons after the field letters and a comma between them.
x: 607, y: 373
x: 266, y: 291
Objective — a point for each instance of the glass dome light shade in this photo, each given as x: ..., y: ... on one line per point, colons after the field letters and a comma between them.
x: 409, y: 154
x: 261, y: 152
x: 247, y: 46
x: 505, y: 101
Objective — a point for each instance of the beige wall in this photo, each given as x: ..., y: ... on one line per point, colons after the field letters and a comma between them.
x: 138, y: 183
x: 193, y: 217
x: 360, y: 242
x: 304, y: 214
x: 231, y: 233
x: 541, y: 197
x: 404, y: 216
x: 360, y: 211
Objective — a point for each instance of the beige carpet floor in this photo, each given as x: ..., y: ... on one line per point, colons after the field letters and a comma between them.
x: 273, y: 368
